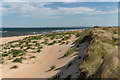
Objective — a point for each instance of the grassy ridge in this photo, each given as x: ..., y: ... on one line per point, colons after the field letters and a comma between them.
x: 102, y: 43
x: 100, y: 58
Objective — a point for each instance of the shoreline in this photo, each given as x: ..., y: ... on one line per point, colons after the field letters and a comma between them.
x: 4, y: 40
x: 62, y: 54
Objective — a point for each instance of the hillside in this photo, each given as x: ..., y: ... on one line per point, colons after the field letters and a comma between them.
x: 100, y: 56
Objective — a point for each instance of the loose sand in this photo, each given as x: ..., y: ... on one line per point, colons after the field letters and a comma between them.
x: 4, y: 40
x: 38, y: 67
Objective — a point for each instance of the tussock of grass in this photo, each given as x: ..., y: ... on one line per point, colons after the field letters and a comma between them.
x: 14, y: 67
x: 19, y: 60
x: 23, y: 53
x: 62, y: 43
x: 40, y: 47
x: 15, y: 52
x: 1, y: 60
x: 52, y: 67
x: 32, y: 57
x: 70, y: 51
x: 52, y: 43
x: 38, y: 50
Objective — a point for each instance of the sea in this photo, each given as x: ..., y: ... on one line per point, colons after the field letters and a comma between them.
x: 10, y: 32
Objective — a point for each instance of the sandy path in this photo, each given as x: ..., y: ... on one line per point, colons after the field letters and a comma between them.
x: 42, y: 64
x: 39, y: 66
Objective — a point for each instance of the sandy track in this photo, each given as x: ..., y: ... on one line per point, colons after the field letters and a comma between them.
x: 38, y: 67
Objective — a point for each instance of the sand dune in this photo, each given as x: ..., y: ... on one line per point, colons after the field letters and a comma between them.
x: 84, y: 54
x: 38, y: 67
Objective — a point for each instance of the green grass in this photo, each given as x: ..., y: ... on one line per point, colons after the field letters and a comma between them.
x: 37, y: 44
x: 1, y: 60
x: 62, y: 43
x: 66, y: 38
x: 59, y: 41
x: 67, y: 43
x: 18, y: 60
x: 70, y: 51
x: 34, y: 41
x: 32, y: 57
x: 5, y: 54
x: 52, y: 43
x: 15, y: 52
x: 40, y: 47
x: 23, y: 53
x: 52, y: 67
x: 38, y: 50
x: 14, y: 67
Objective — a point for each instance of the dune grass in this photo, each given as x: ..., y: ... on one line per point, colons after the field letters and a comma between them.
x: 14, y: 67
x: 17, y: 60
x: 52, y: 67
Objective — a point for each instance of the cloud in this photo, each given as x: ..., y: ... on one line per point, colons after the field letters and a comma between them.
x: 38, y: 10
x: 60, y: 0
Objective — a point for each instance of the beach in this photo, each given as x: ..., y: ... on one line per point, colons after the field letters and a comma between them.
x: 60, y: 54
x: 38, y: 67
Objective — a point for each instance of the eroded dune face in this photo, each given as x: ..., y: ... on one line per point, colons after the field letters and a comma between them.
x: 100, y: 55
x: 91, y: 53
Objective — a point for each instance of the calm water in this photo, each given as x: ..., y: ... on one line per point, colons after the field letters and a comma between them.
x: 8, y: 32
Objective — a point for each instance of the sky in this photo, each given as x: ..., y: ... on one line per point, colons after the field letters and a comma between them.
x: 59, y: 14
x: 60, y: 0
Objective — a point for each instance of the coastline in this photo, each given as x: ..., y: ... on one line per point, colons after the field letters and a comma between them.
x: 56, y: 59
x: 9, y: 39
x: 62, y: 54
x: 4, y: 40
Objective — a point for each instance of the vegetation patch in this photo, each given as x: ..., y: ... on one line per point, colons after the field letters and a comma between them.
x: 32, y: 57
x: 14, y: 67
x: 52, y: 67
x: 70, y: 51
x: 18, y: 60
